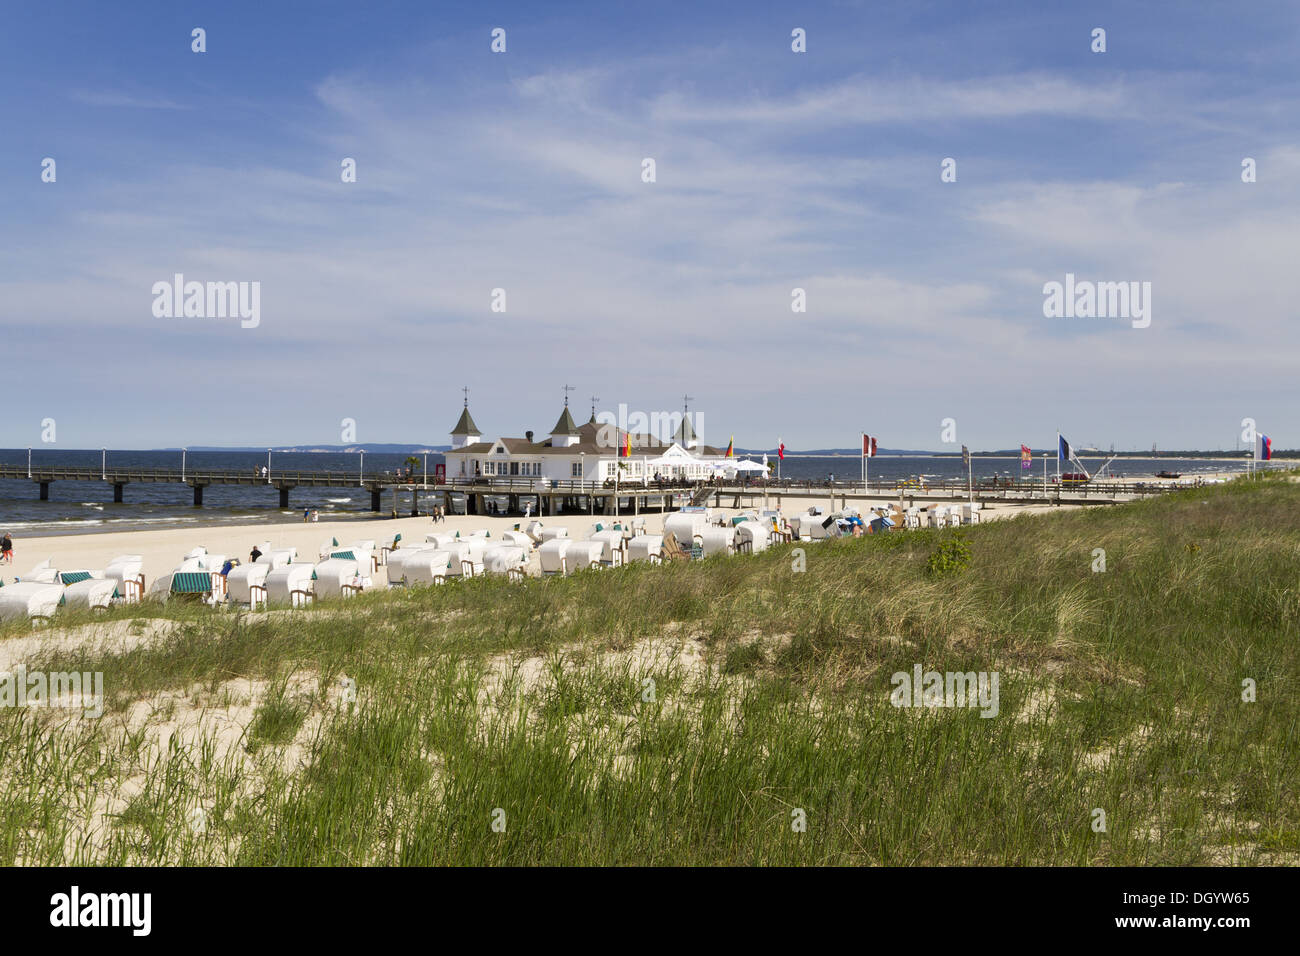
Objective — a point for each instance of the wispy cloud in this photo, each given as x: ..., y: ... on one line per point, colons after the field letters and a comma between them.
x: 119, y: 99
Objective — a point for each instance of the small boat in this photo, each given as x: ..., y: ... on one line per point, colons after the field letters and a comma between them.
x: 1169, y: 474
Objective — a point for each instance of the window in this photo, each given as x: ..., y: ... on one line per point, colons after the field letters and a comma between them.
x: 514, y: 468
x: 575, y: 470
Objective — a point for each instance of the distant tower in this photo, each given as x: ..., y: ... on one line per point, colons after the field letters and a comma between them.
x: 565, y: 432
x: 465, y: 432
x: 685, y: 434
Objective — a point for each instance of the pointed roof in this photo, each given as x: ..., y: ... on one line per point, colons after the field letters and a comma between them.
x: 684, y: 432
x: 465, y: 425
x: 565, y: 426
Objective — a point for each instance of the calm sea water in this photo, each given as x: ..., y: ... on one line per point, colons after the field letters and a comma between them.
x: 87, y: 506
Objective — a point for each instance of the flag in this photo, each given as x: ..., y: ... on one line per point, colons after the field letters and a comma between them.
x: 731, y: 448
x: 1263, y: 448
x: 1026, y: 457
x: 868, y: 446
x: 780, y: 450
x: 1063, y: 449
x: 627, y: 445
x: 965, y: 456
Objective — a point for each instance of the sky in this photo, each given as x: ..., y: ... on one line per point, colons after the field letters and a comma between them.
x: 774, y: 170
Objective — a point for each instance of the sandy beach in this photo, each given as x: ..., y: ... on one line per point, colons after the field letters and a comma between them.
x: 162, y: 549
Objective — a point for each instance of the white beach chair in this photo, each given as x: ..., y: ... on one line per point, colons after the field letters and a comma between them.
x: 127, y: 570
x: 35, y: 600
x: 426, y: 567
x: 517, y: 539
x: 278, y: 557
x: 465, y: 558
x: 584, y: 554
x: 43, y: 573
x: 646, y: 547
x: 246, y: 583
x: 613, y: 551
x: 550, y: 534
x: 553, y: 555
x: 291, y: 584
x: 752, y: 537
x: 339, y: 576
x: 93, y: 593
x: 686, y: 527
x: 395, y: 566
x: 717, y: 541
x: 507, y: 559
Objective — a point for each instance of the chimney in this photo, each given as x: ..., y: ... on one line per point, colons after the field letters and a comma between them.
x: 529, y: 436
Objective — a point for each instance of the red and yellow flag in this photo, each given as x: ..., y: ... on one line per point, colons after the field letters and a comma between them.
x: 626, y: 450
x: 731, y: 448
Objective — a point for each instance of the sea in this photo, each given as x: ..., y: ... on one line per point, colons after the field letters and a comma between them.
x: 80, y: 507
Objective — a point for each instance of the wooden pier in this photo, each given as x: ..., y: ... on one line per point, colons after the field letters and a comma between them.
x: 556, y: 497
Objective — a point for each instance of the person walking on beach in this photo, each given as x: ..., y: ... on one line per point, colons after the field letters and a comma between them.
x: 7, y: 549
x: 254, y: 554
x: 306, y: 515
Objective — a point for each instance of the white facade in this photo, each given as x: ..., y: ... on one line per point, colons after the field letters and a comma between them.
x: 575, y: 454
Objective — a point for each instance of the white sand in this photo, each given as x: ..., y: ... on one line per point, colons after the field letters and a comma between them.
x: 161, y: 550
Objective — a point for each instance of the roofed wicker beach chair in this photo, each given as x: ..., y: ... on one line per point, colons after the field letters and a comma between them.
x: 90, y: 592
x: 673, y: 549
x: 246, y: 583
x: 127, y: 570
x: 291, y: 584
x: 646, y: 547
x: 35, y: 600
x: 192, y: 584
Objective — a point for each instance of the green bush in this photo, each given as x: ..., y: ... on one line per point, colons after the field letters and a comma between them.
x: 951, y: 557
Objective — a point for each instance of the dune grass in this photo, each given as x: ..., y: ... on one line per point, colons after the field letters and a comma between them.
x: 731, y: 711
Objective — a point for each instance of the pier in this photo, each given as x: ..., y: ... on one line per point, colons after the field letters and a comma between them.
x: 555, y: 497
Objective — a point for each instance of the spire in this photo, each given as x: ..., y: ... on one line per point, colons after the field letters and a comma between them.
x: 465, y: 425
x: 565, y: 426
x: 685, y: 434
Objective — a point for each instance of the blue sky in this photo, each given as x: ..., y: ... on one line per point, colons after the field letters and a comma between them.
x: 775, y: 170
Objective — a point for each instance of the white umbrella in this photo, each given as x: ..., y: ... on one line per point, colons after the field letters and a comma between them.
x: 746, y: 465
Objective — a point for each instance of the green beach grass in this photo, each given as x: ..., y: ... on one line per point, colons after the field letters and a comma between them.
x: 730, y: 711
